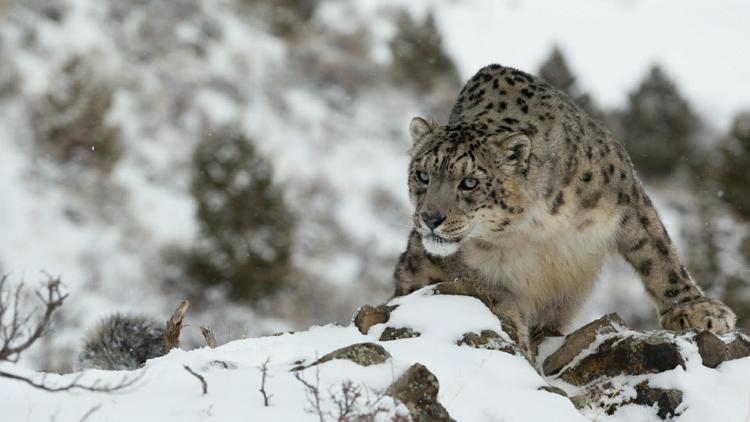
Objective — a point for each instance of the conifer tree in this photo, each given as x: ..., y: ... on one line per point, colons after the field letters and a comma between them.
x: 419, y: 58
x: 245, y: 227
x: 556, y: 72
x: 734, y: 176
x: 658, y: 126
x: 71, y: 119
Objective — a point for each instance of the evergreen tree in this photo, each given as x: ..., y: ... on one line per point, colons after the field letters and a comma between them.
x: 555, y: 71
x: 245, y: 227
x: 734, y: 175
x: 658, y: 125
x: 286, y: 18
x: 71, y: 119
x: 418, y: 55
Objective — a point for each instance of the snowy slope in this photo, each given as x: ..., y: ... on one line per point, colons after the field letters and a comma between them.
x: 474, y: 384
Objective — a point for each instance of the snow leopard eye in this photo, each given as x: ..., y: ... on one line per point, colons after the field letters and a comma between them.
x: 468, y: 183
x: 423, y: 177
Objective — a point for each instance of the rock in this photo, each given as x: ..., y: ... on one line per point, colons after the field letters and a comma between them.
x: 367, y: 316
x: 713, y: 351
x: 608, y: 398
x: 417, y: 389
x: 391, y: 333
x: 666, y: 400
x: 553, y: 390
x: 739, y: 347
x: 579, y: 340
x: 364, y: 354
x: 634, y: 355
x: 489, y: 340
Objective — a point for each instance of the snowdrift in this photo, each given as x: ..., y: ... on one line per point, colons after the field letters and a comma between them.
x: 432, y: 355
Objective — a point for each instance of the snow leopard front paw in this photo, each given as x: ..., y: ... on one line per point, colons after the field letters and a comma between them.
x: 703, y: 314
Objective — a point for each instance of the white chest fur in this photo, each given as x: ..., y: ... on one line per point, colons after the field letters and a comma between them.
x: 547, y: 259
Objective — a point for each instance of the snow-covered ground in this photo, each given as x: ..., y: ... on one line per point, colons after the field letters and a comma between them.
x: 474, y: 384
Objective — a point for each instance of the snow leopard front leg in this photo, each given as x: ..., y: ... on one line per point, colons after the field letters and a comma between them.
x: 644, y: 243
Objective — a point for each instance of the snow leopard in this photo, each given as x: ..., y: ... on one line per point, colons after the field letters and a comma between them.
x: 525, y: 194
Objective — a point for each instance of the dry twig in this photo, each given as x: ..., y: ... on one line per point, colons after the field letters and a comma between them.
x: 264, y: 374
x: 208, y: 335
x: 204, y: 385
x: 174, y: 327
x: 75, y: 384
x: 15, y: 335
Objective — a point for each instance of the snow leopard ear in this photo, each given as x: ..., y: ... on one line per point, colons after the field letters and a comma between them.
x: 419, y: 128
x: 513, y: 151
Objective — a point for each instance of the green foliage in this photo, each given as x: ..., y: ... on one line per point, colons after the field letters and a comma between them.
x: 418, y: 55
x: 555, y: 71
x: 286, y: 18
x: 734, y: 175
x: 658, y: 126
x: 71, y: 119
x: 245, y: 227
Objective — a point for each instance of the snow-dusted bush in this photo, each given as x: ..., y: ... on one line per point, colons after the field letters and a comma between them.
x: 658, y: 125
x: 735, y: 177
x: 71, y: 118
x: 419, y: 58
x: 245, y: 227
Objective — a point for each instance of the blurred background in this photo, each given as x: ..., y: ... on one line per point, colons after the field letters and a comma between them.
x: 251, y: 155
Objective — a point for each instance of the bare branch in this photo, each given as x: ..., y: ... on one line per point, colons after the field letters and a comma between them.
x: 312, y: 392
x: 76, y: 384
x: 90, y: 412
x: 174, y: 326
x: 15, y: 335
x: 200, y: 378
x: 264, y: 374
x: 208, y: 335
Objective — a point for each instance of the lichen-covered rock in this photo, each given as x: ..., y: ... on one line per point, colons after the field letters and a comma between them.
x: 633, y: 355
x: 364, y: 354
x: 553, y: 390
x: 739, y: 347
x: 417, y: 389
x: 715, y: 350
x: 608, y: 397
x: 490, y: 340
x: 391, y: 333
x: 367, y: 316
x: 579, y: 340
x: 666, y: 400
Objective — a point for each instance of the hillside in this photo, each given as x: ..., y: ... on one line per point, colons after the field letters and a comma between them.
x: 443, y: 356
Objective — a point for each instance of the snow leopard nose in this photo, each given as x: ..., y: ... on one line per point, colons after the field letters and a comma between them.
x: 432, y: 219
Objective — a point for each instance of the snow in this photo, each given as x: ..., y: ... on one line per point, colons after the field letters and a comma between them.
x: 475, y: 384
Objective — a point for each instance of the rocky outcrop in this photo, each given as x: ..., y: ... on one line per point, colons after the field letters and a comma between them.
x: 418, y: 388
x: 604, y: 363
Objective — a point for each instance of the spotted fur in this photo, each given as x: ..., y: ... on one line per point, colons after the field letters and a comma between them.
x: 556, y: 194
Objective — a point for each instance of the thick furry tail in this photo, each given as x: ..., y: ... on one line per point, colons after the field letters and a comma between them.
x: 122, y: 342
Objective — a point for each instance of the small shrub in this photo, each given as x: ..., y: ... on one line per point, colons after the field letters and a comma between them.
x: 71, y: 119
x: 285, y: 18
x: 245, y: 227
x: 418, y: 55
x: 734, y: 175
x: 556, y: 72
x: 658, y: 126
